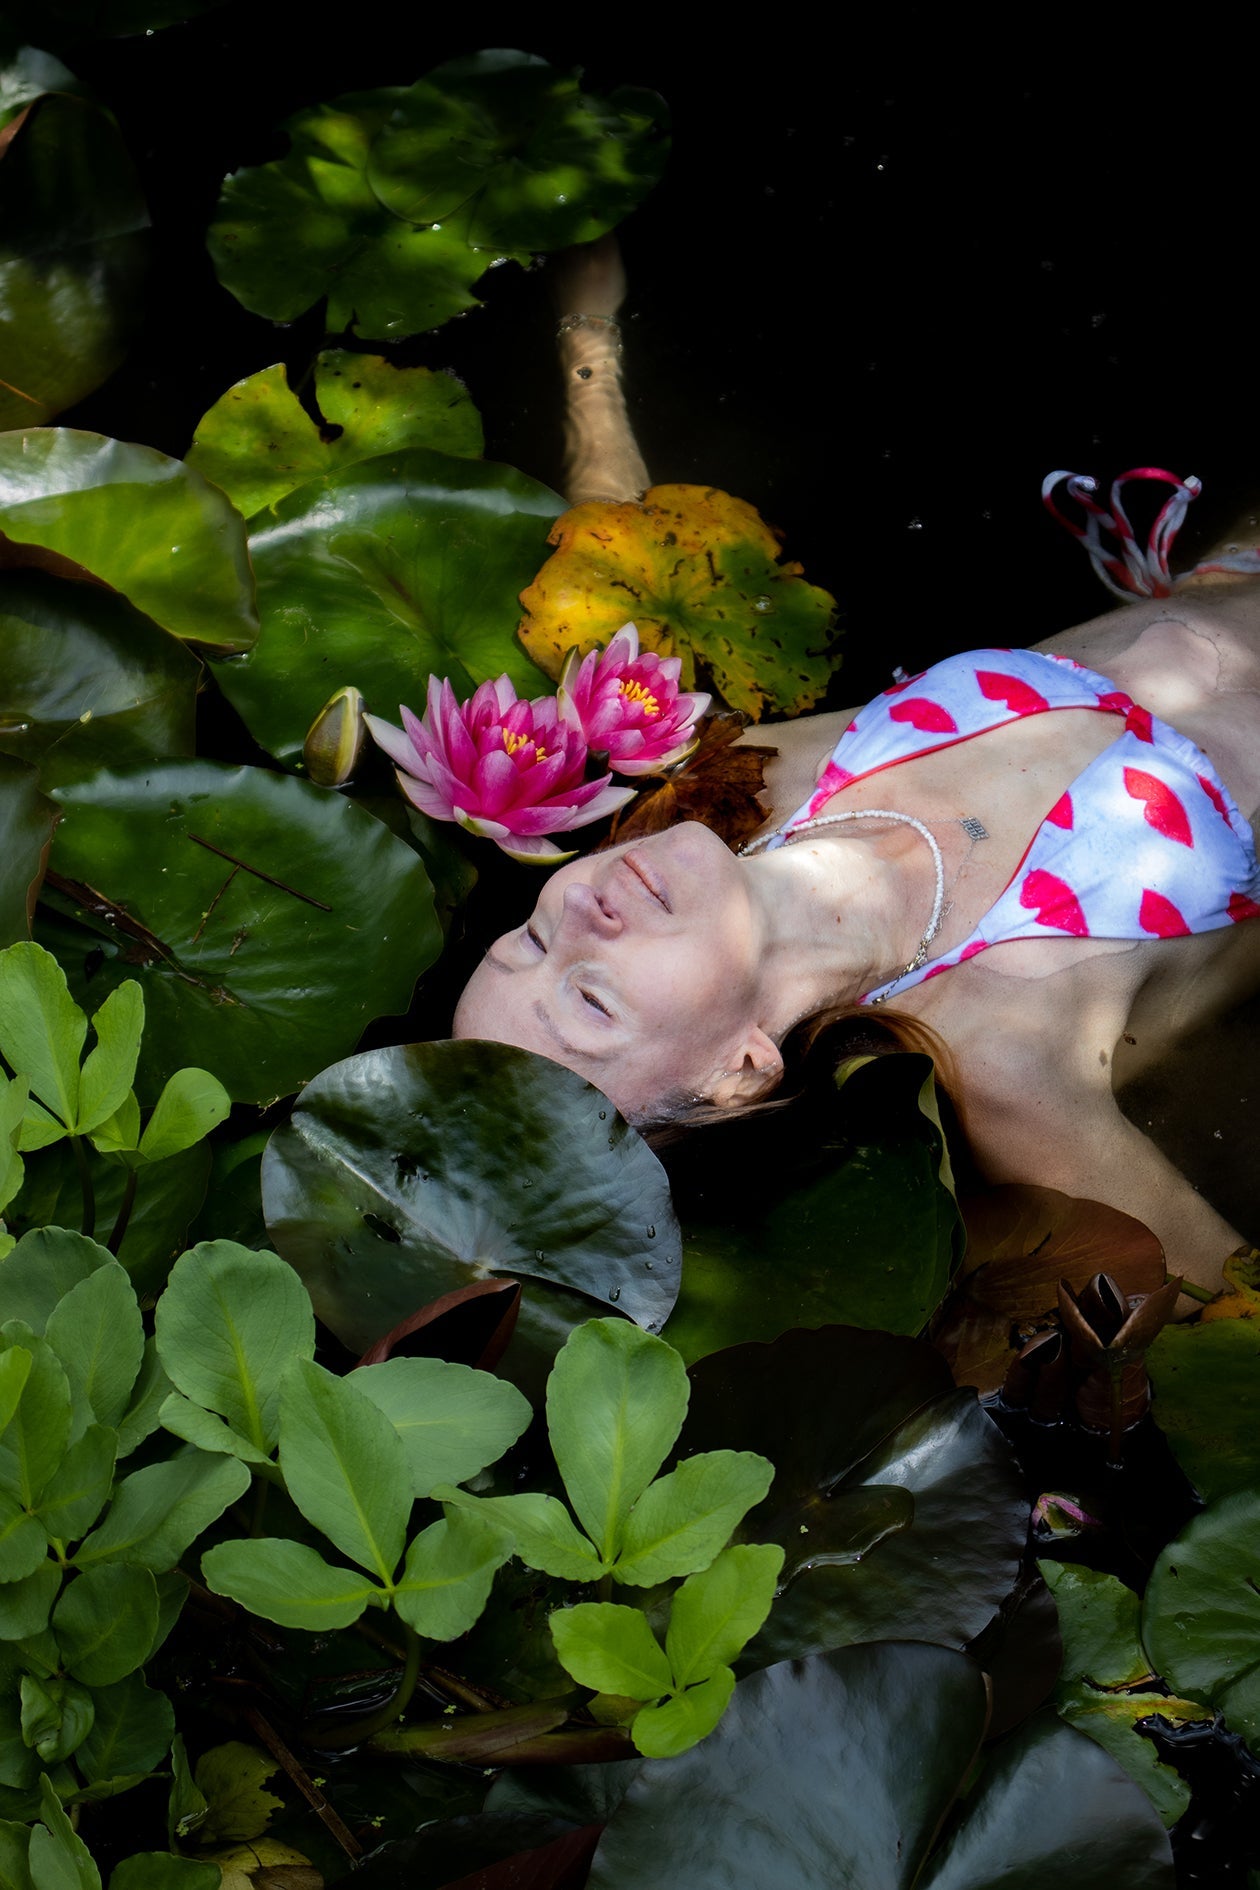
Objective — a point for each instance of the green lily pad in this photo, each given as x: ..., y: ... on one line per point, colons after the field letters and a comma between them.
x: 168, y: 1196
x: 1206, y: 1381
x: 885, y: 1478
x: 258, y: 442
x: 394, y: 203
x: 27, y: 820
x: 702, y: 576
x: 72, y: 254
x: 378, y: 575
x: 26, y: 75
x: 406, y: 1173
x: 854, y: 1223
x: 267, y: 921
x: 87, y: 679
x: 516, y: 146
x: 1201, y: 1612
x: 144, y: 524
x: 843, y: 1769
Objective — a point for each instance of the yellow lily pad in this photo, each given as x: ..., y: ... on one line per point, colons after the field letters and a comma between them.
x: 702, y: 576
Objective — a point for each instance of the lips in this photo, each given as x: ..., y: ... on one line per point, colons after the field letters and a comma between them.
x: 647, y: 878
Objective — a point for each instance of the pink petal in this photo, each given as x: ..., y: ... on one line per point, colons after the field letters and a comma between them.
x: 493, y: 785
x: 478, y: 824
x: 539, y: 850
x: 392, y: 740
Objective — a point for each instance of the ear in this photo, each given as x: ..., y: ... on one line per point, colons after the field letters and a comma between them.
x: 754, y: 1069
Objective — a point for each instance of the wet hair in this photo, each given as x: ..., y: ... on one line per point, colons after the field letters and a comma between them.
x: 812, y: 1051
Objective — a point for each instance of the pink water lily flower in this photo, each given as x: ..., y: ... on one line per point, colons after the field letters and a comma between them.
x: 508, y: 770
x: 627, y: 705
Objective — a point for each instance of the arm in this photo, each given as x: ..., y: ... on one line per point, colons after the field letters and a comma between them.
x: 602, y: 458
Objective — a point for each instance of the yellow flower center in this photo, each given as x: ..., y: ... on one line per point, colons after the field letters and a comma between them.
x: 637, y: 693
x: 513, y: 742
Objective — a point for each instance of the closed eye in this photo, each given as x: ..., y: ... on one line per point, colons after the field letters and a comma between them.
x: 593, y: 1001
x: 534, y: 939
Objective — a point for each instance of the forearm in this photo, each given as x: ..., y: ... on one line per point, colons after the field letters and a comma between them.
x: 602, y: 458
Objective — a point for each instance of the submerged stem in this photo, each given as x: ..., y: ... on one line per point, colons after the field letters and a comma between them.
x: 88, y: 1227
x: 124, y: 1213
x: 354, y: 1733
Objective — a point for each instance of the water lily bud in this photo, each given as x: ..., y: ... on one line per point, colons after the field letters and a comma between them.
x: 335, y: 739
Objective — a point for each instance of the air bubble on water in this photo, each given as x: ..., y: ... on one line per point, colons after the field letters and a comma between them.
x: 648, y: 1265
x: 603, y: 1115
x: 915, y: 525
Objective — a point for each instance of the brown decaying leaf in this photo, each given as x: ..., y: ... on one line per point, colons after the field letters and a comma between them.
x: 718, y: 785
x: 1021, y: 1241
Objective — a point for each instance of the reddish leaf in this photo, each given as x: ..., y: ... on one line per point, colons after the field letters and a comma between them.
x: 561, y: 1865
x: 717, y: 785
x: 471, y: 1326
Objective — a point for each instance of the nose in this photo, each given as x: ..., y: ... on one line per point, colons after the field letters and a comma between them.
x: 585, y: 916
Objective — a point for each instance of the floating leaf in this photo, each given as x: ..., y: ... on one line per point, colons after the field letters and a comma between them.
x: 854, y: 1223
x: 72, y: 255
x: 237, y: 899
x: 840, y: 1805
x: 884, y: 1477
x: 258, y: 442
x: 393, y: 203
x: 144, y: 524
x: 701, y: 575
x: 377, y: 576
x: 1201, y: 1612
x: 1206, y: 1380
x: 405, y: 1172
x: 87, y: 679
x: 27, y: 820
x: 231, y: 1778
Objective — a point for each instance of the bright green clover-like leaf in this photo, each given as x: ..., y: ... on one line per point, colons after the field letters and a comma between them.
x: 158, y: 1511
x: 72, y: 255
x: 381, y: 573
x: 715, y: 1613
x: 143, y: 1415
x: 37, y: 1434
x: 186, y: 1807
x: 1201, y: 1612
x: 258, y: 442
x: 231, y: 1778
x: 15, y: 1369
x: 88, y: 680
x: 453, y: 1421
x: 235, y: 898
x: 446, y: 1578
x: 146, y: 525
x: 79, y: 1487
x: 680, y: 1722
x: 26, y: 1605
x: 344, y: 1466
x: 105, y: 1622
x: 162, y: 1870
x: 615, y: 1400
x: 14, y: 1098
x: 540, y: 1529
x: 43, y: 1267
x: 58, y: 1856
x: 1099, y: 1690
x: 227, y: 1326
x: 682, y: 1520
x: 192, y: 1102
x: 27, y: 820
x: 23, y: 1540
x: 42, y: 1032
x: 203, y: 1428
x: 367, y: 1192
x: 132, y: 1732
x: 98, y: 1334
x: 289, y: 1583
x: 611, y: 1649
x: 110, y: 1065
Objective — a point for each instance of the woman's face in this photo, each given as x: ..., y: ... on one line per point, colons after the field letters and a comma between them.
x: 639, y: 969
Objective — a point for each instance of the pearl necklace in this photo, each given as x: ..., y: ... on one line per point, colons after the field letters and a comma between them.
x: 976, y: 830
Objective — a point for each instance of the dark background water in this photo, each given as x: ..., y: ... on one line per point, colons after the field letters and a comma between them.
x: 898, y: 269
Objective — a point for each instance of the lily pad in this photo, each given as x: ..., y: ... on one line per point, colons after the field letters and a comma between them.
x: 515, y: 146
x: 87, y: 679
x: 1201, y: 1612
x: 144, y: 524
x: 701, y: 575
x: 406, y: 1173
x: 27, y: 820
x: 377, y: 576
x: 26, y: 75
x: 1206, y: 1380
x: 852, y: 1223
x: 258, y: 442
x: 72, y: 253
x: 843, y: 1769
x: 267, y: 921
x: 897, y: 1501
x: 393, y: 203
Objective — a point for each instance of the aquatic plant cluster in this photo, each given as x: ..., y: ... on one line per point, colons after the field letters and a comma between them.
x: 400, y: 1473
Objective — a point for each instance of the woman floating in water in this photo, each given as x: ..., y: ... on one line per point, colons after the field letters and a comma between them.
x: 1044, y: 858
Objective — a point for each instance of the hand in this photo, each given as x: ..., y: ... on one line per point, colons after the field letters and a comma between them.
x: 588, y: 279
